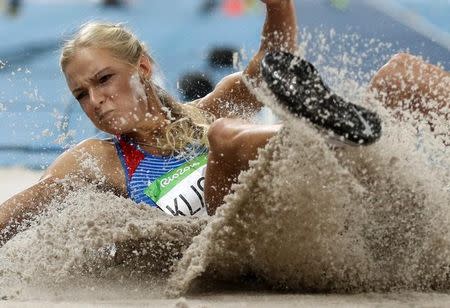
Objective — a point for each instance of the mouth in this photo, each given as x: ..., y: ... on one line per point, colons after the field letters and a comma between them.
x: 105, y: 115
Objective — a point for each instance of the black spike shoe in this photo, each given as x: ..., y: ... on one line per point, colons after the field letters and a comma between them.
x: 299, y: 87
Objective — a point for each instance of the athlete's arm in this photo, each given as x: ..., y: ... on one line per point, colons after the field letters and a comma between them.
x: 68, y: 171
x: 231, y: 97
x: 25, y: 205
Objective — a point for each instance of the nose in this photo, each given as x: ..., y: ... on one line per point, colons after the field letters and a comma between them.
x: 96, y: 97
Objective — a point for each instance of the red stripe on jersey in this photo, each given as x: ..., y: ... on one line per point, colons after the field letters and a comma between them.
x: 132, y: 156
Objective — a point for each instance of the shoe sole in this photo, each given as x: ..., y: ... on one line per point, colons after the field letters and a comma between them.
x: 299, y: 88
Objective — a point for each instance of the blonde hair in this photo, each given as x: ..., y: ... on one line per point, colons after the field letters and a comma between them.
x: 188, y: 124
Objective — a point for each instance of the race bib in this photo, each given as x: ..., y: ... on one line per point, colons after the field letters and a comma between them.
x: 180, y: 191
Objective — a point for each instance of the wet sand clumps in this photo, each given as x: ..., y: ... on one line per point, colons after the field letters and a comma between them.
x: 313, y: 216
x: 285, y: 223
x: 307, y: 216
x: 91, y: 237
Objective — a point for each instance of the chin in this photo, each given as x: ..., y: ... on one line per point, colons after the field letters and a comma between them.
x: 113, y: 129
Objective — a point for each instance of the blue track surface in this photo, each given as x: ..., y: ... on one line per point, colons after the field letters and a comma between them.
x: 36, y: 109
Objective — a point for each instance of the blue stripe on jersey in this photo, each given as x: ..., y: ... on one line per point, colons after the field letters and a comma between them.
x: 150, y: 168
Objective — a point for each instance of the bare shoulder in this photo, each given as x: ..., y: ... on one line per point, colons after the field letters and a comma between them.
x: 90, y: 160
x: 99, y: 148
x: 88, y: 149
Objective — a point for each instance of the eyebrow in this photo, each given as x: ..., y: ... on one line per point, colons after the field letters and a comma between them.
x: 74, y: 91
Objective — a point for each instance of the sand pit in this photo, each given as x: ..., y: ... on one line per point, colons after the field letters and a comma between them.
x: 337, y: 220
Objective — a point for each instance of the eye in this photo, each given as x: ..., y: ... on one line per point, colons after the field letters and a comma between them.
x: 104, y: 78
x: 80, y: 96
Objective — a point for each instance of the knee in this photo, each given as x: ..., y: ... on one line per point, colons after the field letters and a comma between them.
x: 399, y: 68
x: 393, y: 81
x: 401, y: 60
x: 222, y: 135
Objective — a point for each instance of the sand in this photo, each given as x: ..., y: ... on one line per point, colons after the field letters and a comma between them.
x: 336, y: 222
x: 102, y: 291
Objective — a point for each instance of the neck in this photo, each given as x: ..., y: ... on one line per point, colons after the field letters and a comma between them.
x: 147, y: 134
x: 147, y: 139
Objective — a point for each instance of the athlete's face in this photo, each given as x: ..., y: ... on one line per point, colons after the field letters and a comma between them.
x: 110, y: 91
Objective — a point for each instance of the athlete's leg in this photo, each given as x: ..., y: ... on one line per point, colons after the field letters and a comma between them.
x: 233, y: 143
x: 407, y: 82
